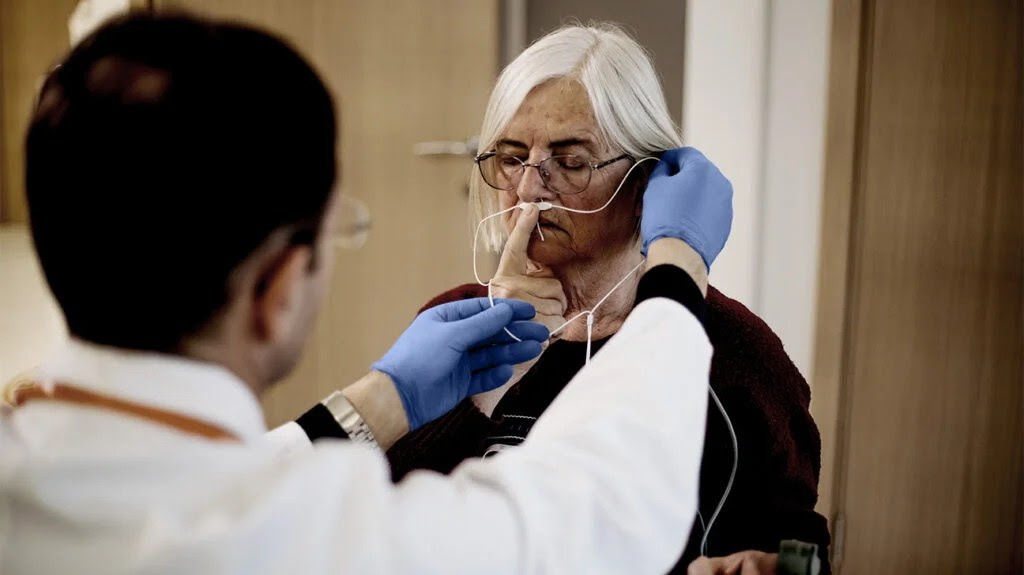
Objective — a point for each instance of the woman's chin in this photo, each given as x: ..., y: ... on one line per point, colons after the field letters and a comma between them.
x: 550, y: 253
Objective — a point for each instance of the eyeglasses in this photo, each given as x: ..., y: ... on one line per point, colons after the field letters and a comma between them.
x: 566, y: 174
x: 353, y: 226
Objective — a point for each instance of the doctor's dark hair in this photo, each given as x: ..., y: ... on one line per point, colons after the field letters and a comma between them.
x: 163, y: 151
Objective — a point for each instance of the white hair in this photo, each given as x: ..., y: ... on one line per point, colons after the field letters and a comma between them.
x: 619, y: 79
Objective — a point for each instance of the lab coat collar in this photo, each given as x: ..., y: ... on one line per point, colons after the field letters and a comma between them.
x: 198, y: 389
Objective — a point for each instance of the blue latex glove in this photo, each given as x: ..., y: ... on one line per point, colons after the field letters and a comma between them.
x: 459, y: 349
x: 689, y: 199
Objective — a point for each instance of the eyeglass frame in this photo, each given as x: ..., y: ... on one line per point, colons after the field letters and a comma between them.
x: 594, y: 166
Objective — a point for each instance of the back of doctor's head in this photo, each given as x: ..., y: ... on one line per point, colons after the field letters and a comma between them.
x: 163, y: 151
x: 619, y: 78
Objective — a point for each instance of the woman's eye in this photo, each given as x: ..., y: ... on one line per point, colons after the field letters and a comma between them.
x: 571, y: 162
x: 510, y: 161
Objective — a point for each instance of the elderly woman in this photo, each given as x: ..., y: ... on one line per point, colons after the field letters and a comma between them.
x: 567, y: 125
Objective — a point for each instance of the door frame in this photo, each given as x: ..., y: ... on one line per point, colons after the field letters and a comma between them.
x: 845, y: 115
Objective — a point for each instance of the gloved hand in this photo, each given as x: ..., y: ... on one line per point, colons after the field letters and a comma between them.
x: 456, y: 350
x: 689, y: 199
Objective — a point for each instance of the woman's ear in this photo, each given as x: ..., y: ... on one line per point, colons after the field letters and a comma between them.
x: 638, y: 192
x: 278, y: 291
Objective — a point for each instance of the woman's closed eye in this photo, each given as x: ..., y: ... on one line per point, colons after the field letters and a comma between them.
x: 572, y: 162
x: 510, y: 161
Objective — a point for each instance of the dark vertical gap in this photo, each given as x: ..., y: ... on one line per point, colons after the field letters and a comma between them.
x: 503, y: 56
x: 658, y: 25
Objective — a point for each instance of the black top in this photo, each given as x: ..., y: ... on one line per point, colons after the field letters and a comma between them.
x: 763, y: 393
x: 522, y: 405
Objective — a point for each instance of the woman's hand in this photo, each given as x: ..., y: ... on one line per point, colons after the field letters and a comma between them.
x: 519, y: 278
x: 743, y: 563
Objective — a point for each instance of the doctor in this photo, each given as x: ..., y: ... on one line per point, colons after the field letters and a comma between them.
x: 180, y: 178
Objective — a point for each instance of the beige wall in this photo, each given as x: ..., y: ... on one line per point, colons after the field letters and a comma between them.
x: 30, y: 324
x: 33, y: 35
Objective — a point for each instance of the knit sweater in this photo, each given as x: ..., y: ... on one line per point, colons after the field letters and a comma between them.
x: 766, y: 399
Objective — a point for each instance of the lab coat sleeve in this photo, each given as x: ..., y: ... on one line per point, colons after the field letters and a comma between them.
x: 289, y: 438
x: 606, y: 482
x: 297, y: 436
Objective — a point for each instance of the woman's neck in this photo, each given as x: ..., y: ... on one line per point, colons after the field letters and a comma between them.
x: 587, y: 283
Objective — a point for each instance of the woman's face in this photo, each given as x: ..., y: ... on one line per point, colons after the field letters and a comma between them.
x: 556, y: 119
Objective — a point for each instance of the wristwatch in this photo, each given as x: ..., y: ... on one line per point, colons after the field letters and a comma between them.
x: 348, y: 418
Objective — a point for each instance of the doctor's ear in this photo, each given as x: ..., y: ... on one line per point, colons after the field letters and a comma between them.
x: 278, y: 291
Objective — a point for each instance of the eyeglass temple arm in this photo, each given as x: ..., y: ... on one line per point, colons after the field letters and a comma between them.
x: 600, y: 165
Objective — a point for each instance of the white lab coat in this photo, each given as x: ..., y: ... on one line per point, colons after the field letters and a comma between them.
x: 606, y: 482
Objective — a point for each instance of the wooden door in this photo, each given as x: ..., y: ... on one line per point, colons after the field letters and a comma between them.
x: 929, y: 449
x: 403, y: 72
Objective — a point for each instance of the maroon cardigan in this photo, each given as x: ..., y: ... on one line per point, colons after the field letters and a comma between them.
x: 766, y: 398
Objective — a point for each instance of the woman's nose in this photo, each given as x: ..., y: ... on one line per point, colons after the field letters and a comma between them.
x: 531, y: 186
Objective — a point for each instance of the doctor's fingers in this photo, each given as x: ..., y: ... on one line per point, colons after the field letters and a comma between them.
x: 524, y: 330
x: 459, y: 310
x: 713, y: 566
x: 546, y: 294
x: 510, y: 354
x: 743, y: 563
x: 473, y: 331
x: 552, y: 322
x: 490, y: 379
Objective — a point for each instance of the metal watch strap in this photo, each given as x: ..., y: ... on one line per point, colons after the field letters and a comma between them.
x: 348, y: 418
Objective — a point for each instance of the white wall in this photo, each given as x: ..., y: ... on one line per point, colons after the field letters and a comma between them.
x: 754, y: 101
x: 723, y: 116
x: 30, y: 323
x: 794, y: 172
